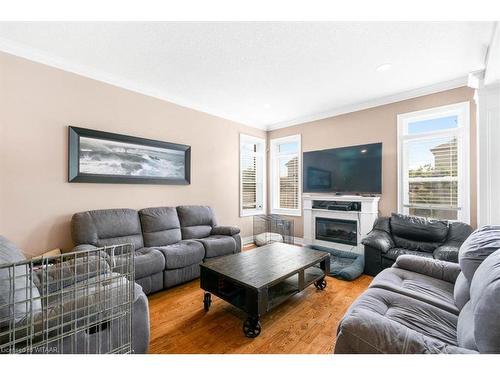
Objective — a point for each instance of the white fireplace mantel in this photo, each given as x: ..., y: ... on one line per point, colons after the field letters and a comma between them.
x: 365, y: 218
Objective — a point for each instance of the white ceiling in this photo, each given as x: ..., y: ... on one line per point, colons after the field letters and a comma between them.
x: 266, y: 75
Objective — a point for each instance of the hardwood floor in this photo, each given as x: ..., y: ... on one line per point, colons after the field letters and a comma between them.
x: 306, y: 323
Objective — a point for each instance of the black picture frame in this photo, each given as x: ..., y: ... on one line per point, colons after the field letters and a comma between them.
x: 75, y: 175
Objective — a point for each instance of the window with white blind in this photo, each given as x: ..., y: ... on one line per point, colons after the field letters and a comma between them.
x: 434, y: 162
x: 286, y: 175
x: 252, y: 175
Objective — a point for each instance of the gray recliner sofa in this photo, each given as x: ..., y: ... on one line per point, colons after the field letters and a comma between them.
x: 423, y: 305
x: 169, y: 242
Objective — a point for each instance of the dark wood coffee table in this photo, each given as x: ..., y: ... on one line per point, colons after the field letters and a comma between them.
x: 258, y: 280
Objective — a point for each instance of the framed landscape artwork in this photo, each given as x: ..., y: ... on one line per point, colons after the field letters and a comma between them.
x: 96, y: 156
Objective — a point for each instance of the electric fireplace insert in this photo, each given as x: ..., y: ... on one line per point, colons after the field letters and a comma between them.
x: 337, y: 230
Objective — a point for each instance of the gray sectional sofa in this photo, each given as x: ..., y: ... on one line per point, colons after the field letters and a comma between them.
x: 424, y: 305
x: 170, y: 242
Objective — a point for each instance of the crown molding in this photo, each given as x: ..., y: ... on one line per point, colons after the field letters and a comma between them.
x: 492, y: 72
x: 426, y: 90
x: 32, y: 54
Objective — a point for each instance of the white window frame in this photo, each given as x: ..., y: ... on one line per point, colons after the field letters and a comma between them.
x: 274, y: 185
x: 462, y: 111
x: 244, y: 138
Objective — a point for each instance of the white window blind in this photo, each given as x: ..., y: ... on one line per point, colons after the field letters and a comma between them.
x: 433, y: 159
x: 286, y: 175
x: 252, y: 172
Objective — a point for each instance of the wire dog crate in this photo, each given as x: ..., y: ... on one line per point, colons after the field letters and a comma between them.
x: 79, y: 302
x: 272, y: 228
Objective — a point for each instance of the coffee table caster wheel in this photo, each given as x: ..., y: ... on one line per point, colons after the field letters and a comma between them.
x: 252, y: 327
x: 207, y: 301
x: 320, y: 284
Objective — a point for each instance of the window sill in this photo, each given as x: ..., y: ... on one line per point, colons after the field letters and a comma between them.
x: 284, y: 212
x: 251, y: 213
x: 463, y: 217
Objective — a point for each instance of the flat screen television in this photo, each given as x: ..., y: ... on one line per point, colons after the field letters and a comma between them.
x: 345, y: 170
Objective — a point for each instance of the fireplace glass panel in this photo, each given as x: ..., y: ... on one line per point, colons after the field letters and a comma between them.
x: 337, y: 230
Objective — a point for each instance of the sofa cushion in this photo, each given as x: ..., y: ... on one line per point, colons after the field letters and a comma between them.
x: 422, y: 246
x: 458, y: 232
x: 216, y: 246
x: 225, y: 230
x: 196, y: 221
x: 160, y: 226
x: 417, y: 233
x: 477, y: 247
x: 182, y: 254
x: 422, y: 287
x: 397, y: 251
x: 485, y: 304
x: 416, y: 315
x: 465, y: 328
x: 461, y: 291
x: 196, y: 232
x: 365, y: 332
x: 147, y: 261
x: 107, y: 227
x: 14, y: 292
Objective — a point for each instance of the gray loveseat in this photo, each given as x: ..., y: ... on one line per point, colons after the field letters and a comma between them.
x: 170, y: 242
x: 423, y: 305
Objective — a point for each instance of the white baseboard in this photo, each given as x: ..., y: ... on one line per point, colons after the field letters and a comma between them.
x: 246, y: 240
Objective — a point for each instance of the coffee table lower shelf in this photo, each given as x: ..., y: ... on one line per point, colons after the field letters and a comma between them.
x: 256, y: 301
x: 285, y: 289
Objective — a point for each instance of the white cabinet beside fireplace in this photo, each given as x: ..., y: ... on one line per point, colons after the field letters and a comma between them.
x: 364, y: 218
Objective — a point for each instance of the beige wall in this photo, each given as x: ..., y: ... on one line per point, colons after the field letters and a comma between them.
x: 37, y: 103
x: 379, y: 124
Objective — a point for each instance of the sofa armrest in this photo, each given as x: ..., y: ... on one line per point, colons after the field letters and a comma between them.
x: 373, y: 261
x: 140, y: 322
x: 435, y: 268
x: 225, y: 230
x: 378, y: 239
x: 458, y: 232
x: 448, y: 251
x: 237, y: 239
x: 366, y: 332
